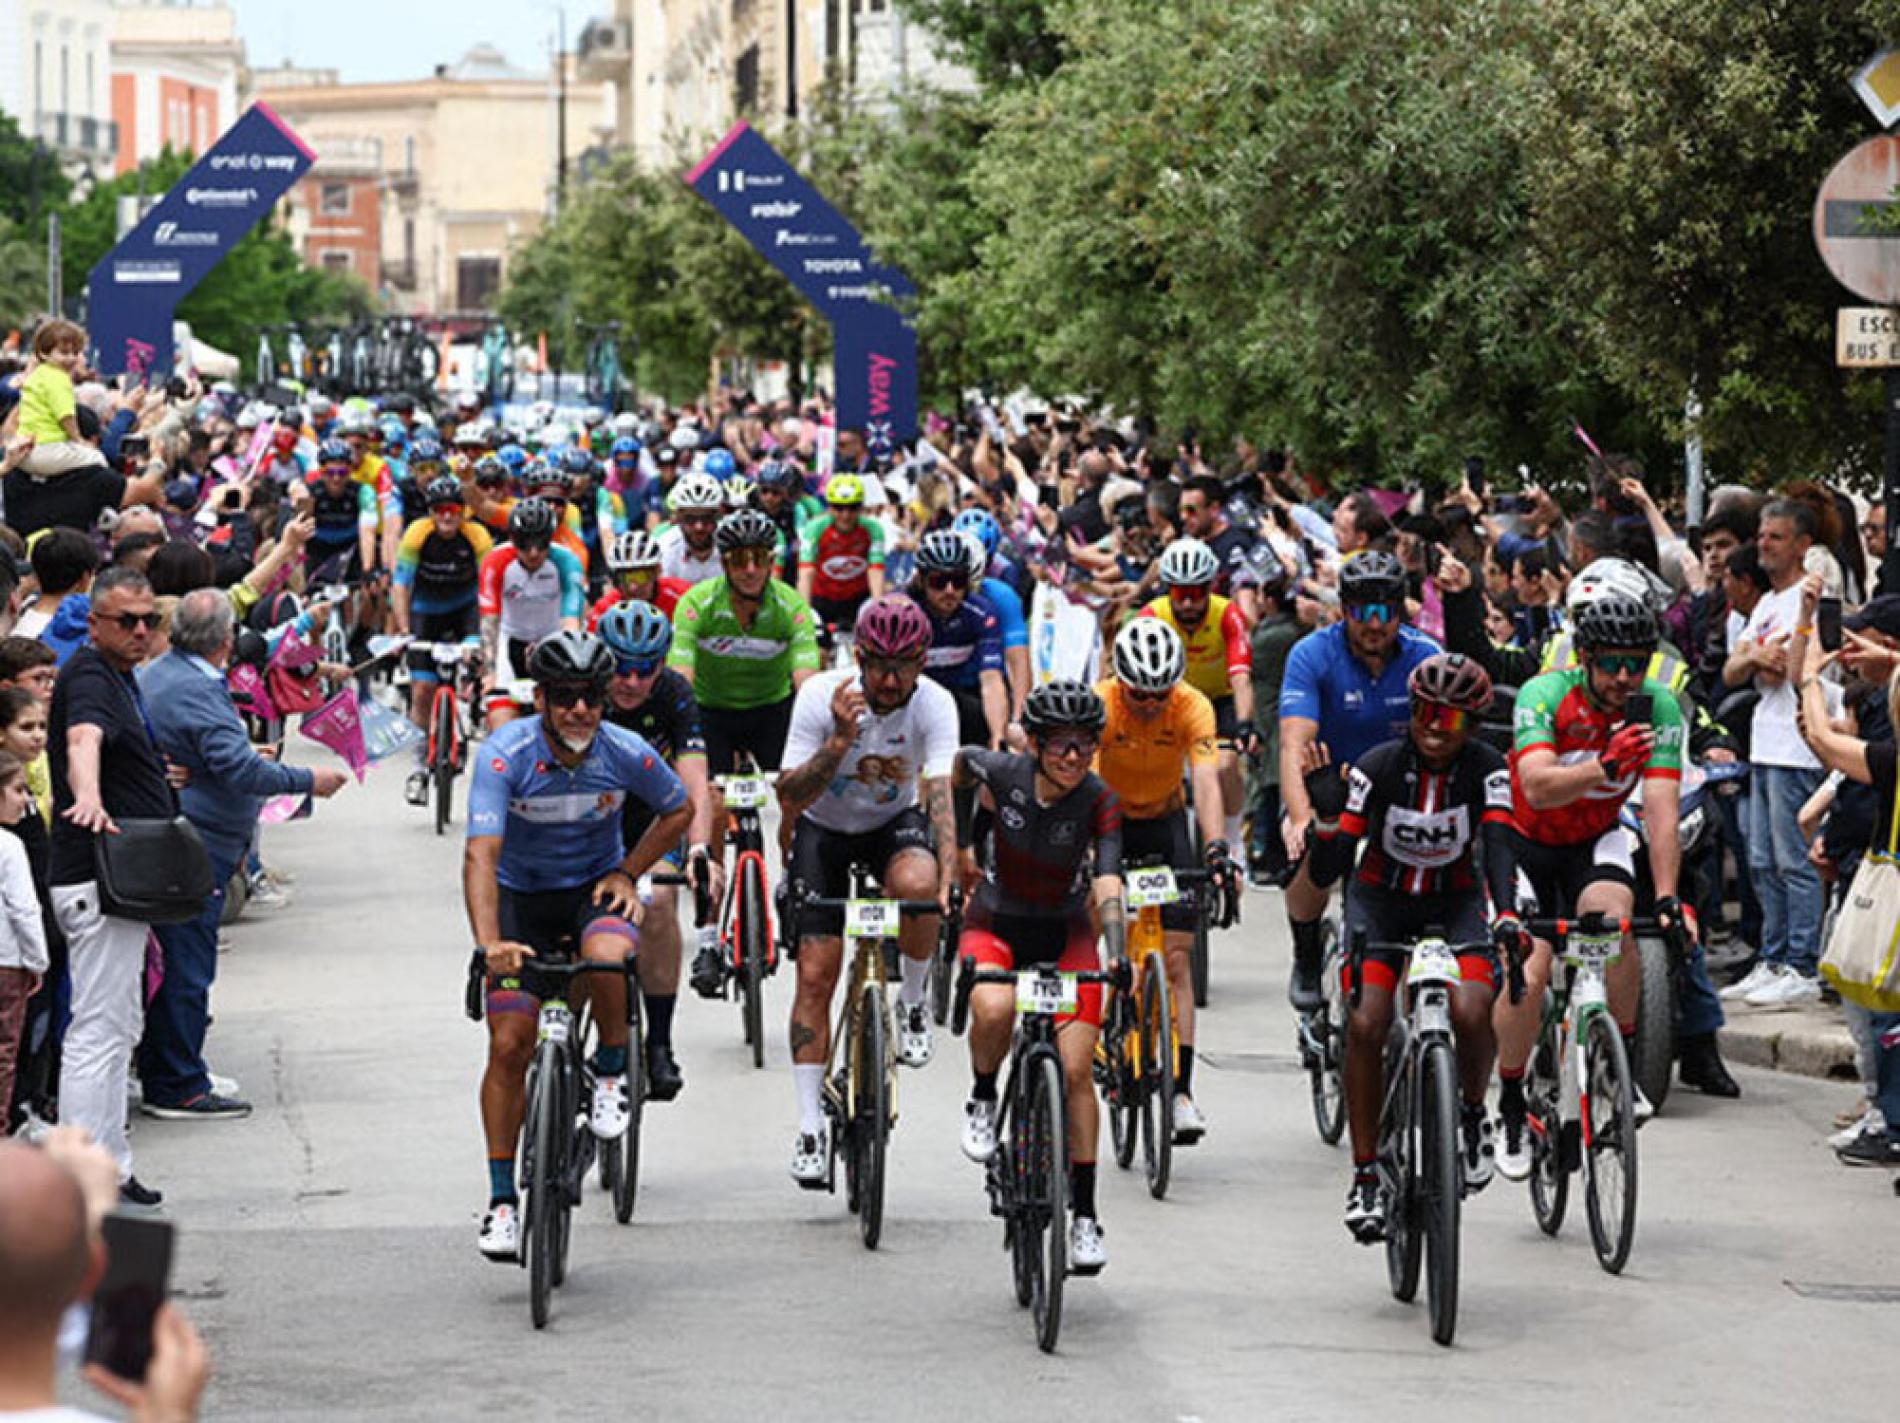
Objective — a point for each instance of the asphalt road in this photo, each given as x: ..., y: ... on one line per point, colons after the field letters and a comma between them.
x: 328, y: 1242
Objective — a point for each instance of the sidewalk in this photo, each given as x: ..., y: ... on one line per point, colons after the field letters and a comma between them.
x: 1810, y: 1040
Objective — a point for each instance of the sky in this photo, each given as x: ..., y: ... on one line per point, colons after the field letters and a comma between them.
x: 371, y: 40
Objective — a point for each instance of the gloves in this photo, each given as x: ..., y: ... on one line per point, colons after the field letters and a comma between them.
x: 1507, y: 932
x: 1628, y: 750
x: 1326, y: 788
x: 1680, y: 916
x: 1247, y: 739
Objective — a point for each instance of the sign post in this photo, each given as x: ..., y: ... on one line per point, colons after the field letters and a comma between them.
x: 135, y: 288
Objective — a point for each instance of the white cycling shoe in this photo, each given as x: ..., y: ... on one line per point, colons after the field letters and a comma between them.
x: 979, y: 1130
x: 1189, y: 1124
x: 607, y: 1118
x: 1087, y: 1254
x: 915, y: 1042
x: 501, y: 1232
x: 811, y: 1160
x: 1513, y: 1152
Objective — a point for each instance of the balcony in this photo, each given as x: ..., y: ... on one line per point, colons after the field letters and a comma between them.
x: 605, y: 52
x: 79, y: 136
x: 401, y: 276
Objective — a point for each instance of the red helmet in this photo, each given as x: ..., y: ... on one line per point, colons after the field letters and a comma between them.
x: 892, y: 626
x: 286, y: 438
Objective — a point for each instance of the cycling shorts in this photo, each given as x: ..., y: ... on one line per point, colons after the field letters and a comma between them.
x: 1018, y: 941
x: 511, y: 665
x: 973, y: 727
x: 1557, y: 875
x: 760, y: 730
x: 1388, y: 918
x: 839, y: 613
x: 437, y: 627
x: 1226, y: 724
x: 822, y: 859
x: 553, y: 923
x: 1165, y: 838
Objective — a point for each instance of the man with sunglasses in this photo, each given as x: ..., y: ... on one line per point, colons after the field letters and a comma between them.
x: 1579, y: 756
x: 781, y: 494
x: 966, y: 638
x: 529, y: 589
x: 687, y: 549
x: 862, y: 739
x: 435, y: 591
x: 344, y: 511
x: 543, y: 481
x: 841, y: 554
x: 546, y: 868
x: 1345, y: 691
x: 633, y: 571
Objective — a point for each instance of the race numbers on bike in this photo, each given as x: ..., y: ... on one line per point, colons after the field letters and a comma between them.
x: 554, y: 1024
x: 1045, y: 993
x: 1152, y: 886
x: 871, y: 918
x: 1593, y: 950
x: 1433, y: 962
x: 747, y: 792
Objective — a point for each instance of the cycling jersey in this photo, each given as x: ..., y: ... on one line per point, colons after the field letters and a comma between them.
x: 963, y: 646
x: 560, y: 827
x: 679, y: 561
x: 877, y: 779
x: 442, y: 572
x: 840, y: 559
x: 339, y: 518
x: 603, y: 507
x: 1008, y: 606
x: 1422, y: 827
x: 736, y: 668
x: 1327, y: 684
x: 1234, y: 546
x: 532, y: 604
x: 406, y: 503
x: 668, y: 721
x: 1556, y: 710
x: 1219, y: 648
x: 666, y: 597
x: 567, y: 533
x: 1142, y: 758
x: 1042, y: 857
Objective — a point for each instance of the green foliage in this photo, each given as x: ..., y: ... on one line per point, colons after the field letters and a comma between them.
x: 31, y: 182
x: 22, y: 274
x: 1002, y: 41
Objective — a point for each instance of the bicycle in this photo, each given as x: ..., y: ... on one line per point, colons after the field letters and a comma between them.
x: 861, y: 1069
x: 1580, y: 1092
x: 457, y: 682
x: 1028, y: 1177
x: 746, y: 920
x: 1322, y: 1041
x: 943, y: 959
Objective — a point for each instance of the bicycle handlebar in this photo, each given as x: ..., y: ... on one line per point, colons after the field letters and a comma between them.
x: 1596, y: 924
x: 534, y: 969
x: 1360, y: 947
x: 909, y: 908
x: 969, y: 976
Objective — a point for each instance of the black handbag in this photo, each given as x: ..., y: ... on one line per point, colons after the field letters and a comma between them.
x: 153, y: 871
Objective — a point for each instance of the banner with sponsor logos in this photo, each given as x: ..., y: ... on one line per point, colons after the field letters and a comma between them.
x: 134, y: 289
x: 875, y: 346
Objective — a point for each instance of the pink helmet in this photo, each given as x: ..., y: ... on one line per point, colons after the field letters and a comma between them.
x: 892, y: 626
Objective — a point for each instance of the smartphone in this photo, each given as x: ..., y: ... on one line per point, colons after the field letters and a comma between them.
x: 1474, y: 473
x: 1827, y: 622
x: 138, y: 1271
x: 1640, y: 710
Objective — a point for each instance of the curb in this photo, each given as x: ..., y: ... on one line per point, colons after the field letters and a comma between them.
x: 1812, y: 1042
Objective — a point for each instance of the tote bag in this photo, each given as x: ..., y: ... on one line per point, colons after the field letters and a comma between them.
x: 1863, y: 952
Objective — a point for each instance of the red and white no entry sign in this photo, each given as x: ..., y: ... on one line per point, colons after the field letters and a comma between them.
x: 1862, y: 258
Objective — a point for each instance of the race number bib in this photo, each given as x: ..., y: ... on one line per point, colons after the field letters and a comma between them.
x: 1046, y: 993
x: 1593, y: 950
x: 747, y: 792
x: 554, y: 1025
x: 1152, y: 885
x: 1433, y: 963
x: 871, y: 918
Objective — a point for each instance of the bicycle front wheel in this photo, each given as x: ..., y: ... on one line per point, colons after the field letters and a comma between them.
x: 1398, y: 1178
x: 752, y: 955
x: 871, y: 1131
x: 1157, y: 1075
x: 943, y: 969
x: 1048, y: 1204
x: 543, y: 1190
x: 444, y: 767
x: 624, y: 1155
x: 1550, y: 1175
x: 1439, y: 1185
x: 1609, y: 1118
x: 1328, y: 1071
x: 1121, y: 1079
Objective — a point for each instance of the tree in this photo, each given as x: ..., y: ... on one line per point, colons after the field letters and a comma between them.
x: 31, y: 180
x: 1003, y: 41
x: 22, y: 274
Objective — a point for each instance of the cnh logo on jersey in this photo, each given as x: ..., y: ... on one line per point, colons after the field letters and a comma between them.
x: 1428, y: 839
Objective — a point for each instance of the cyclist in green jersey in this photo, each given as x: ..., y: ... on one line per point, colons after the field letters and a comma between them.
x: 747, y: 642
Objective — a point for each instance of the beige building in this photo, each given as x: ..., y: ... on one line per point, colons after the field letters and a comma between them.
x: 176, y: 73
x: 56, y: 79
x: 466, y: 160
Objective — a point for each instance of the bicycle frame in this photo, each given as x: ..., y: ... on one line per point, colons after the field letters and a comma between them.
x: 1578, y: 994
x: 747, y: 832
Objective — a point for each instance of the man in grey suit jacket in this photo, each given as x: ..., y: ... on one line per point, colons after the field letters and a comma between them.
x: 197, y: 727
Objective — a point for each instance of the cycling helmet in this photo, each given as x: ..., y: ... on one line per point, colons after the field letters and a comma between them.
x: 1610, y: 575
x: 540, y: 477
x: 574, y: 462
x: 513, y: 456
x: 776, y: 474
x: 1615, y: 620
x: 943, y: 551
x: 696, y: 490
x: 569, y: 656
x: 1060, y: 706
x: 394, y: 435
x: 636, y: 630
x: 334, y: 451
x: 636, y: 548
x: 490, y: 472
x: 979, y: 560
x: 892, y: 626
x: 426, y: 450
x: 719, y: 464
x: 1450, y: 679
x: 626, y: 448
x: 1372, y: 577
x: 1149, y: 655
x: 443, y: 489
x: 531, y: 519
x: 844, y: 489
x: 983, y: 524
x: 1188, y: 563
x: 746, y: 528
x: 355, y: 422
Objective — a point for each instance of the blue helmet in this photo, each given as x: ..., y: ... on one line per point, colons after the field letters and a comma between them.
x: 573, y: 460
x: 636, y: 630
x: 777, y: 474
x: 334, y: 451
x: 426, y: 450
x: 719, y: 464
x: 394, y: 435
x: 983, y: 524
x: 514, y: 457
x: 626, y: 447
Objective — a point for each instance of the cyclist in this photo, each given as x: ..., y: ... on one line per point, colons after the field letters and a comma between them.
x: 1159, y: 726
x: 841, y: 555
x: 344, y: 512
x: 633, y: 565
x: 545, y: 868
x: 1345, y: 690
x: 984, y: 535
x: 1052, y: 815
x: 650, y: 698
x: 966, y: 641
x: 628, y: 477
x: 1578, y: 757
x: 781, y: 494
x: 1428, y: 807
x: 600, y: 513
x: 861, y: 741
x: 1219, y: 657
x: 438, y: 574
x: 686, y: 545
x: 543, y: 481
x: 489, y: 500
x: 746, y: 643
x: 410, y: 497
x: 528, y: 589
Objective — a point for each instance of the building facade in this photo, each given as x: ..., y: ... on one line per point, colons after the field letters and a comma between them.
x: 176, y: 73
x: 56, y: 78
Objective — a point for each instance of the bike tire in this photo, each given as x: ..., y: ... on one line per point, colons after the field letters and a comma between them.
x: 1653, y: 1050
x: 1550, y: 1179
x: 574, y: 1147
x: 542, y: 1205
x: 1121, y: 1083
x: 752, y: 957
x: 1441, y: 1187
x: 1049, y: 1202
x: 1157, y: 1075
x: 943, y: 971
x: 1610, y: 1145
x: 1398, y: 1169
x: 444, y: 759
x: 1327, y: 1076
x: 1197, y: 952
x: 625, y: 1153
x: 871, y: 1132
x: 1012, y: 1162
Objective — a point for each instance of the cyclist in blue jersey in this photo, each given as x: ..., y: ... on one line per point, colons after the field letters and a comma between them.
x: 984, y: 535
x: 1345, y: 691
x: 546, y: 867
x: 966, y: 639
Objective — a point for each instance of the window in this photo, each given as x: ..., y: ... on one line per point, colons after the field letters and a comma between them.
x: 409, y: 241
x: 477, y: 279
x: 409, y: 156
x: 334, y: 200
x: 334, y: 261
x: 39, y: 79
x: 746, y: 82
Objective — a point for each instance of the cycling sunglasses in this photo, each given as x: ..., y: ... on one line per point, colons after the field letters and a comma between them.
x: 571, y: 693
x: 943, y: 582
x: 1372, y: 612
x: 1191, y: 592
x: 1433, y: 717
x: 635, y: 577
x: 695, y: 521
x: 1134, y: 694
x: 637, y: 666
x: 131, y: 622
x: 889, y: 666
x: 532, y: 545
x: 336, y: 471
x: 1069, y: 746
x: 1621, y: 663
x: 438, y: 508
x: 750, y: 558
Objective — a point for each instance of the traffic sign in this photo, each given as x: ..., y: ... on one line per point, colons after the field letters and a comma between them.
x: 1878, y: 84
x: 1862, y: 258
x: 1867, y: 336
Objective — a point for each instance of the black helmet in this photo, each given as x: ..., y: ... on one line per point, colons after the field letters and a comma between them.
x: 1616, y: 620
x: 334, y: 451
x: 1058, y: 706
x: 943, y: 551
x: 490, y: 472
x: 443, y: 489
x: 531, y: 519
x: 1450, y: 679
x: 569, y: 656
x: 745, y: 528
x: 1372, y: 577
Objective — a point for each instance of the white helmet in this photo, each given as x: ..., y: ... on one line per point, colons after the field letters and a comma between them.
x: 636, y: 548
x: 979, y: 556
x: 738, y: 492
x: 695, y: 491
x: 1612, y: 575
x: 1188, y: 562
x: 1149, y: 655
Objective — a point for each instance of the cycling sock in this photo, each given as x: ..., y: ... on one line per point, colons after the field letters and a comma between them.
x: 1082, y: 1188
x: 1184, y: 1074
x: 501, y: 1179
x: 809, y: 1079
x: 983, y: 1089
x: 1366, y: 1169
x: 1306, y: 945
x: 610, y: 1061
x: 1233, y: 831
x: 660, y: 1018
x: 916, y: 976
x: 1511, y: 1091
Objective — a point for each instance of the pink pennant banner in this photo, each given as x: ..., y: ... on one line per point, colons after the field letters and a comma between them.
x: 279, y: 809
x: 293, y: 654
x: 1588, y: 443
x: 338, y: 725
x: 249, y: 692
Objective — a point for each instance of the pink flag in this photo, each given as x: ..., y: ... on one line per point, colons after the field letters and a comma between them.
x: 338, y: 724
x: 249, y: 692
x: 279, y: 809
x: 1588, y: 443
x: 293, y: 654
